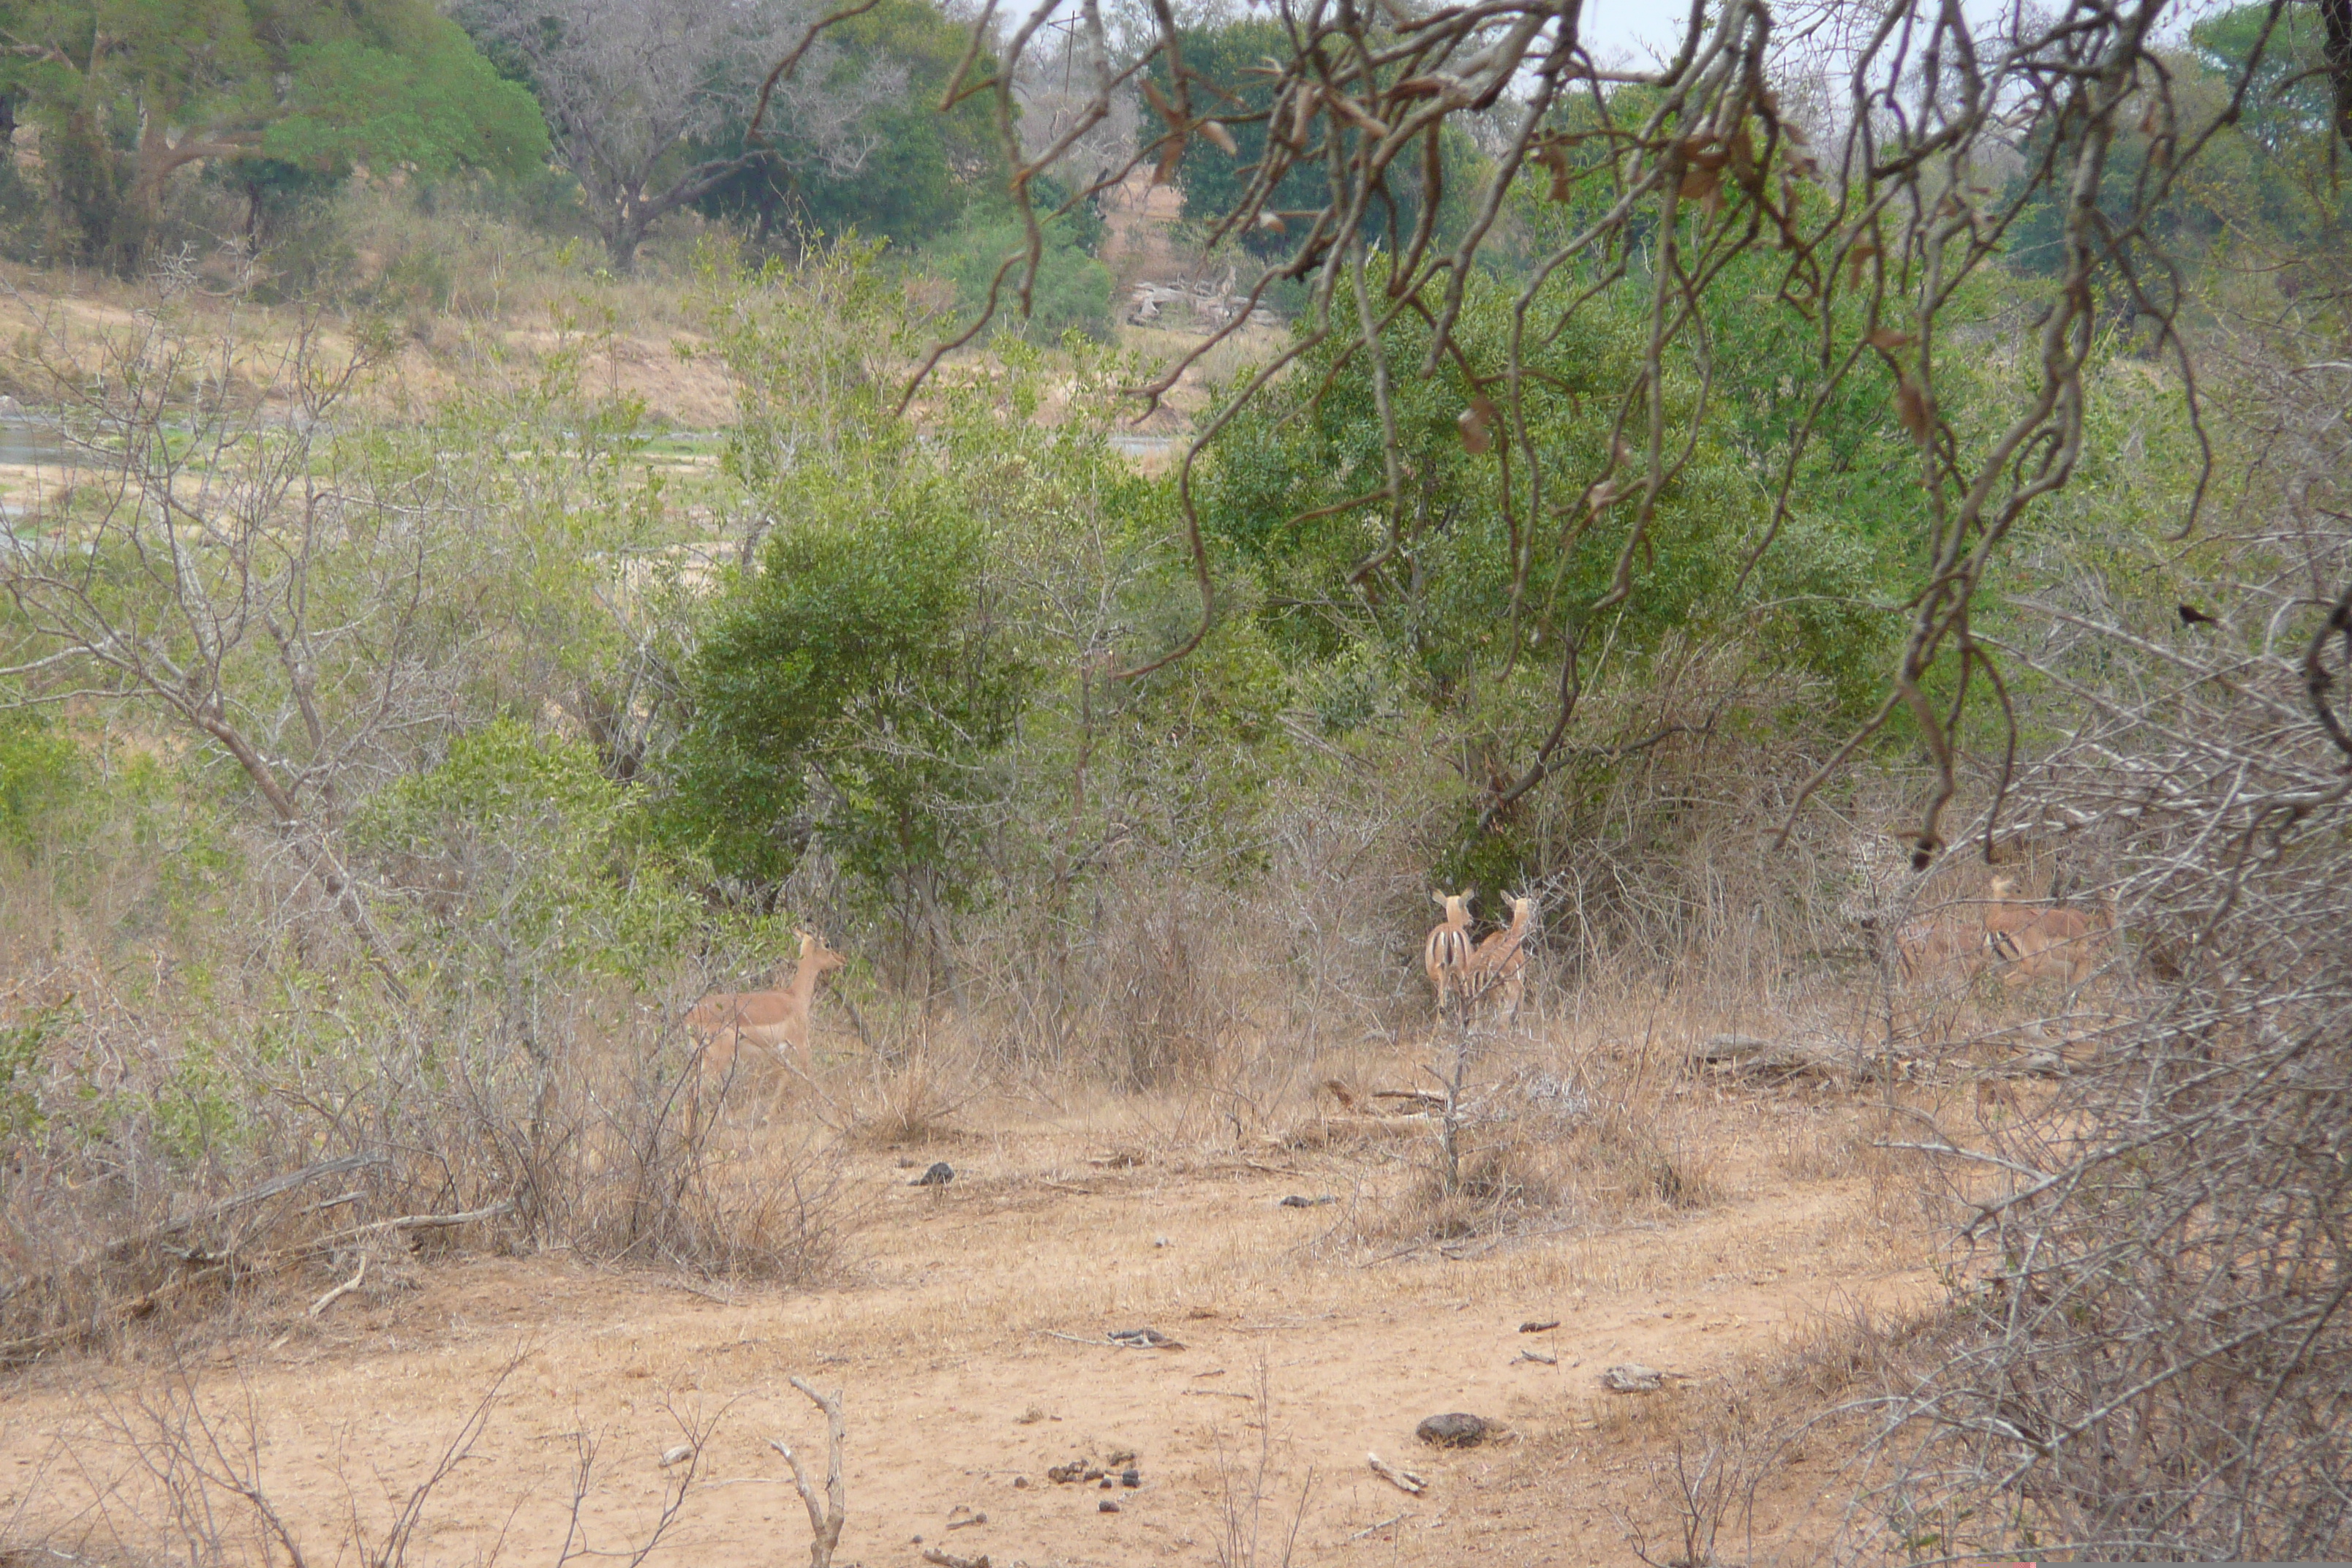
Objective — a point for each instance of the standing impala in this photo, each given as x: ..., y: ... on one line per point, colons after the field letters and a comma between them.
x: 1445, y: 955
x: 1498, y: 966
x: 774, y: 1020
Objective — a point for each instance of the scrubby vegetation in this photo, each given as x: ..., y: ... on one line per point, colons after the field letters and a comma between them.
x: 402, y: 723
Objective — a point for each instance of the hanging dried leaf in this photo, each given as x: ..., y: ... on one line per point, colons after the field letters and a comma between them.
x: 1553, y: 156
x: 1886, y: 340
x: 1911, y: 407
x: 1600, y: 497
x: 1159, y: 104
x: 1273, y: 221
x: 1701, y: 184
x: 1858, y: 258
x: 1171, y: 154
x: 1951, y: 205
x: 1216, y: 132
x: 1476, y: 423
x: 1743, y: 158
x: 1803, y: 165
x: 1705, y: 153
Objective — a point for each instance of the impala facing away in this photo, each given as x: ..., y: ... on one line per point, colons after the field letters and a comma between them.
x: 773, y: 1020
x: 1445, y: 956
x: 1498, y: 966
x: 2031, y: 941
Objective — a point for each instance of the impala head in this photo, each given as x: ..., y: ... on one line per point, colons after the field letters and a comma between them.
x: 1523, y: 907
x: 1456, y: 905
x: 2003, y: 889
x: 813, y: 951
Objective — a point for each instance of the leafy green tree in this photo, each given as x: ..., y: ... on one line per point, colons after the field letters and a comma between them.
x: 1071, y: 291
x: 848, y: 691
x: 127, y: 92
x: 848, y: 694
x: 2265, y: 185
x: 642, y: 97
x: 923, y: 167
x: 1233, y: 78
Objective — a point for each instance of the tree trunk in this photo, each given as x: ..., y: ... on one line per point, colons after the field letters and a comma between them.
x: 2336, y: 15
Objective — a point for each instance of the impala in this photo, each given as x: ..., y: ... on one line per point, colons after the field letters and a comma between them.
x: 773, y: 1020
x: 1445, y: 956
x: 2042, y: 941
x: 1499, y: 962
x: 1949, y: 940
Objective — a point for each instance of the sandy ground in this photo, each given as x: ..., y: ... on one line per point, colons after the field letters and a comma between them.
x: 961, y: 1393
x: 640, y: 360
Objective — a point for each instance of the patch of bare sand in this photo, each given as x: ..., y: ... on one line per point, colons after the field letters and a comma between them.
x: 955, y: 1386
x: 67, y: 324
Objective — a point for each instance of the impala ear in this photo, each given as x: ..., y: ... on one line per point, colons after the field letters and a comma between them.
x: 1437, y: 898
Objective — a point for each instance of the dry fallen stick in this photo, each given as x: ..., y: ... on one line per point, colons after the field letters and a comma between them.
x: 342, y: 1290
x: 932, y: 1554
x: 1538, y: 1357
x: 1405, y: 1480
x: 409, y: 1222
x: 826, y: 1513
x: 1373, y: 1529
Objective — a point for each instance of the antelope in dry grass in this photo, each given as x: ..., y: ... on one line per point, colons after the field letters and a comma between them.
x: 1445, y: 956
x: 1949, y: 941
x: 1498, y: 966
x: 2035, y: 941
x: 773, y: 1020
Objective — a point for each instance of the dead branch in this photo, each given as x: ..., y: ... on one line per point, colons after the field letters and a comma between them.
x: 826, y: 1514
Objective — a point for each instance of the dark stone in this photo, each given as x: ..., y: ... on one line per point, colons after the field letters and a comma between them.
x: 1454, y: 1430
x: 938, y: 1176
x: 1105, y: 1506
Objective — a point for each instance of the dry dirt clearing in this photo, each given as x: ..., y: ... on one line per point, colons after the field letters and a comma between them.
x: 1308, y: 1341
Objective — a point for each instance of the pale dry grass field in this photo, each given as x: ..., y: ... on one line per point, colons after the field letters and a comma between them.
x: 1717, y: 1229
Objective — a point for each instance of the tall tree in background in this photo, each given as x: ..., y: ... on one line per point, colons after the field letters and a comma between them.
x: 634, y: 90
x: 128, y: 92
x: 918, y: 167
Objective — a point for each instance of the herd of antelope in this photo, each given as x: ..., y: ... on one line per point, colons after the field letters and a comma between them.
x: 1489, y: 974
x: 2029, y: 940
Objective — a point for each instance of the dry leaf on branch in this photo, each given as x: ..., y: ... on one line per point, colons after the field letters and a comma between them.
x: 1476, y: 423
x: 1886, y: 340
x: 1911, y: 407
x: 1214, y: 131
x: 1553, y: 156
x: 1858, y: 258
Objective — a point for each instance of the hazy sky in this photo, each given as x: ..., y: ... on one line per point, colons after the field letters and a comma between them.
x: 1624, y: 26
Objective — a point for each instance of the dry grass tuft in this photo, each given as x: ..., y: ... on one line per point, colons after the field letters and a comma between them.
x: 911, y: 1102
